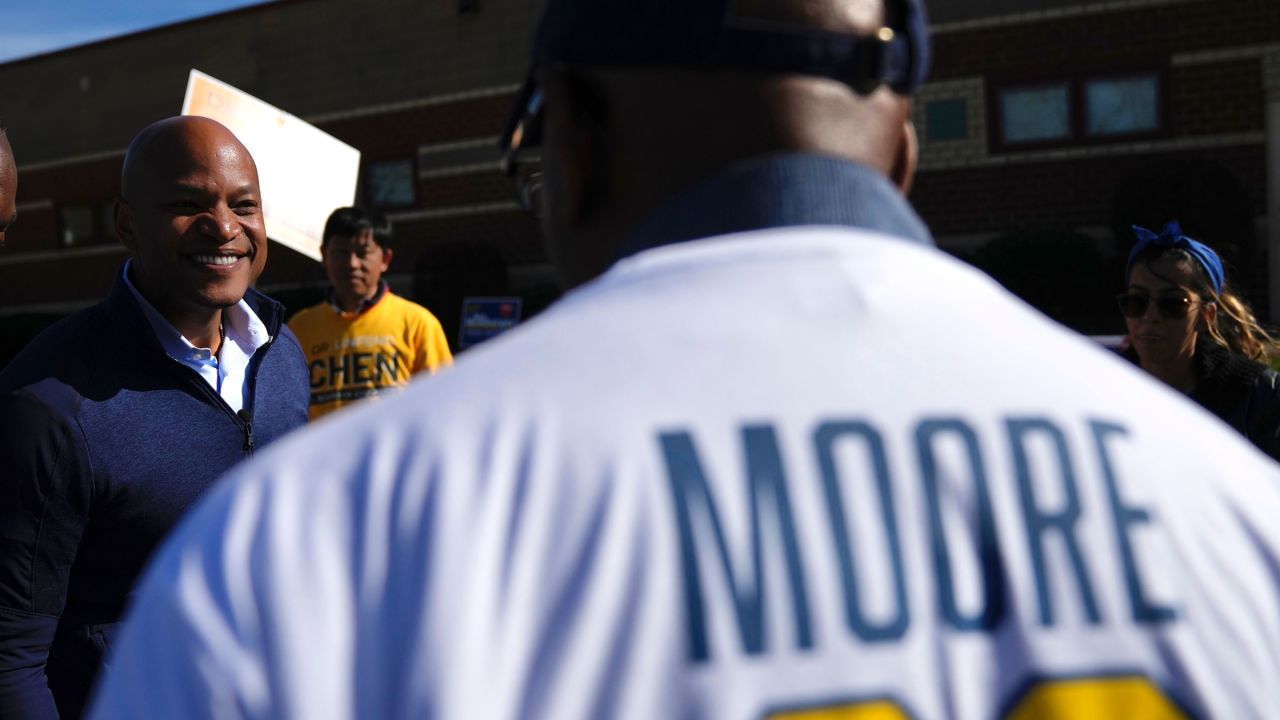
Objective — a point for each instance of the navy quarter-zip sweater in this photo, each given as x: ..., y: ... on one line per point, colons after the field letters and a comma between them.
x: 105, y: 441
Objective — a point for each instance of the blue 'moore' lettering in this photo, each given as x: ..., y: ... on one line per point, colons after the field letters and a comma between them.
x: 1040, y: 523
x: 983, y: 520
x: 1125, y: 516
x: 825, y: 439
x: 692, y: 494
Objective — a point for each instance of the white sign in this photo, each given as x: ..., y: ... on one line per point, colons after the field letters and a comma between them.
x: 305, y: 173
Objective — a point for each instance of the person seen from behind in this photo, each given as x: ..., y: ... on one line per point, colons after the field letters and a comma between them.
x: 725, y: 477
x: 1188, y: 328
x: 364, y: 339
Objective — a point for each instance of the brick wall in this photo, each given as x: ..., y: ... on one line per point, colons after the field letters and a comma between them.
x: 398, y: 134
x: 53, y: 280
x: 305, y: 56
x: 91, y: 183
x: 1221, y: 97
x: 994, y: 199
x: 1087, y: 42
x: 465, y: 190
x: 336, y: 61
x: 513, y: 234
x: 1213, y: 56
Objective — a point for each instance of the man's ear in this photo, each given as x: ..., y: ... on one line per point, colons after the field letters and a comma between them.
x: 903, y: 173
x: 387, y: 254
x: 124, y: 226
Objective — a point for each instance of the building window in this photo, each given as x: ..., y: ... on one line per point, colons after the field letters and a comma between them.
x: 84, y: 225
x: 391, y: 184
x: 1035, y: 114
x: 1078, y: 111
x: 1122, y: 106
x: 946, y: 120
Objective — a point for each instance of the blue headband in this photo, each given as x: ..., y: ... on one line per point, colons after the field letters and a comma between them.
x: 1172, y: 238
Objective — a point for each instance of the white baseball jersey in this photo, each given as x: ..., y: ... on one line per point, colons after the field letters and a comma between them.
x: 768, y: 475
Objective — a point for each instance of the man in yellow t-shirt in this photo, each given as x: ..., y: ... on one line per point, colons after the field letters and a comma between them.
x: 364, y: 340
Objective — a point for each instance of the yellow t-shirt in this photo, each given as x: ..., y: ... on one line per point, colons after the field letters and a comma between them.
x: 352, y: 357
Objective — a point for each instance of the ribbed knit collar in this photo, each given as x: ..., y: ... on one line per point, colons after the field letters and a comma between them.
x: 781, y: 191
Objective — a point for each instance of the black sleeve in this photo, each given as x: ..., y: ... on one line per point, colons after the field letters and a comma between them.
x: 1264, y: 414
x: 45, y: 486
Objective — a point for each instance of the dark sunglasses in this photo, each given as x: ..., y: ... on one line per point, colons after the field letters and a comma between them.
x: 521, y: 147
x: 1169, y: 307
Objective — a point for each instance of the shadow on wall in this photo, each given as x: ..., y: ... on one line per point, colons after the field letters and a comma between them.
x: 1062, y: 273
x: 1073, y: 278
x: 448, y: 272
x: 298, y: 299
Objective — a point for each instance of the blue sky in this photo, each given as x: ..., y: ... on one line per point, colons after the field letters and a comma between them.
x: 32, y: 27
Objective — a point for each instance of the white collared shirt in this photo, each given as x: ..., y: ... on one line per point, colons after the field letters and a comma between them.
x: 228, y: 371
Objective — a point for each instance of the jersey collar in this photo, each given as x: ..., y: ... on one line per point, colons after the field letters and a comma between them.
x: 781, y: 191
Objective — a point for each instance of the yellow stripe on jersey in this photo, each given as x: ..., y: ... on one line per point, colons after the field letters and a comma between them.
x: 1130, y: 698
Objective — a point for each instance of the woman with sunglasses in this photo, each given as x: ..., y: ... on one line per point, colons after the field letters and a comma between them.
x: 1187, y: 328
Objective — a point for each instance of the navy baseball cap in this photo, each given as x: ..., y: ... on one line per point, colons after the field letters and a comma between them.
x: 712, y: 34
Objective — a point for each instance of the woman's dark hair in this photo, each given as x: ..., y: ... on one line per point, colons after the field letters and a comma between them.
x: 353, y: 221
x: 1235, y: 327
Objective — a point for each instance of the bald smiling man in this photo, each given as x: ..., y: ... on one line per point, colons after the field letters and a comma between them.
x: 119, y: 417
